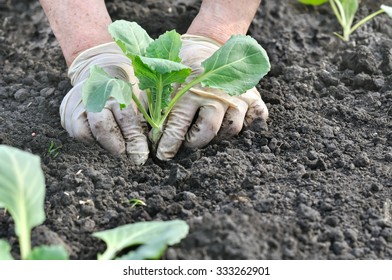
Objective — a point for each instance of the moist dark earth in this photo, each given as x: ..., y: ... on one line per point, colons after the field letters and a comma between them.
x: 315, y: 184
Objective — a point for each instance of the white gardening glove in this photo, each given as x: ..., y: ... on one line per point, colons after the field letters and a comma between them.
x: 116, y: 130
x: 219, y: 115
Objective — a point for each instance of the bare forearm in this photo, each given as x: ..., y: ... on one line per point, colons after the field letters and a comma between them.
x: 77, y: 25
x: 219, y: 19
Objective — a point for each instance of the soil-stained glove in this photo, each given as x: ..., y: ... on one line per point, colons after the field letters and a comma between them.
x: 219, y: 116
x: 116, y: 130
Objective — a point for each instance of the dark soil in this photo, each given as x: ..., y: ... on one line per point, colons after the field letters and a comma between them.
x: 316, y: 185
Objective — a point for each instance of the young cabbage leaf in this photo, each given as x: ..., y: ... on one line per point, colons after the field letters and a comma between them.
x: 153, y: 238
x: 236, y: 67
x: 167, y: 47
x: 48, y: 253
x: 103, y: 86
x: 5, y: 251
x: 132, y: 39
x: 22, y: 192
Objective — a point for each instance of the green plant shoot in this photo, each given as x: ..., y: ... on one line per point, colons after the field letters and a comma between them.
x: 137, y: 202
x: 236, y: 67
x: 345, y: 11
x: 53, y: 151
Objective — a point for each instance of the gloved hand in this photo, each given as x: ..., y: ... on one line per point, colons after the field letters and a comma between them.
x: 116, y: 130
x: 219, y: 116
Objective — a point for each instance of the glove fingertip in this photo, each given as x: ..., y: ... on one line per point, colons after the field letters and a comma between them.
x: 137, y: 149
x: 165, y: 155
x: 167, y: 148
x: 138, y: 158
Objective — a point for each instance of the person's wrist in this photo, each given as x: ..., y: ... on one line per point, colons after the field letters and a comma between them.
x: 70, y: 54
x: 216, y: 27
x: 220, y: 19
x: 218, y: 32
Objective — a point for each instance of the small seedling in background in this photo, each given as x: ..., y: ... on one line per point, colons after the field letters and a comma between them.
x: 53, y: 151
x: 345, y: 11
x: 136, y: 202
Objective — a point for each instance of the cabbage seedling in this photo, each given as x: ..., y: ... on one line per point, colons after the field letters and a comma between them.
x: 236, y: 67
x: 345, y: 11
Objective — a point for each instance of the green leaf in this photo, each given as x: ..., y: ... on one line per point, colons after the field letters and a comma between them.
x: 5, y: 251
x: 146, y: 76
x: 313, y: 2
x: 100, y: 86
x: 387, y: 9
x: 236, y: 67
x: 131, y: 37
x: 22, y: 191
x: 149, y: 251
x: 350, y: 8
x: 167, y: 46
x: 150, y: 70
x: 178, y: 76
x: 163, y: 66
x: 54, y: 252
x: 153, y: 238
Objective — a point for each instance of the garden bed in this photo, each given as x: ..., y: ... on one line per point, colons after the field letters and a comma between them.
x: 317, y: 184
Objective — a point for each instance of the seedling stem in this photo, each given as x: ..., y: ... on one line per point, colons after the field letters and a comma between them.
x: 369, y: 17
